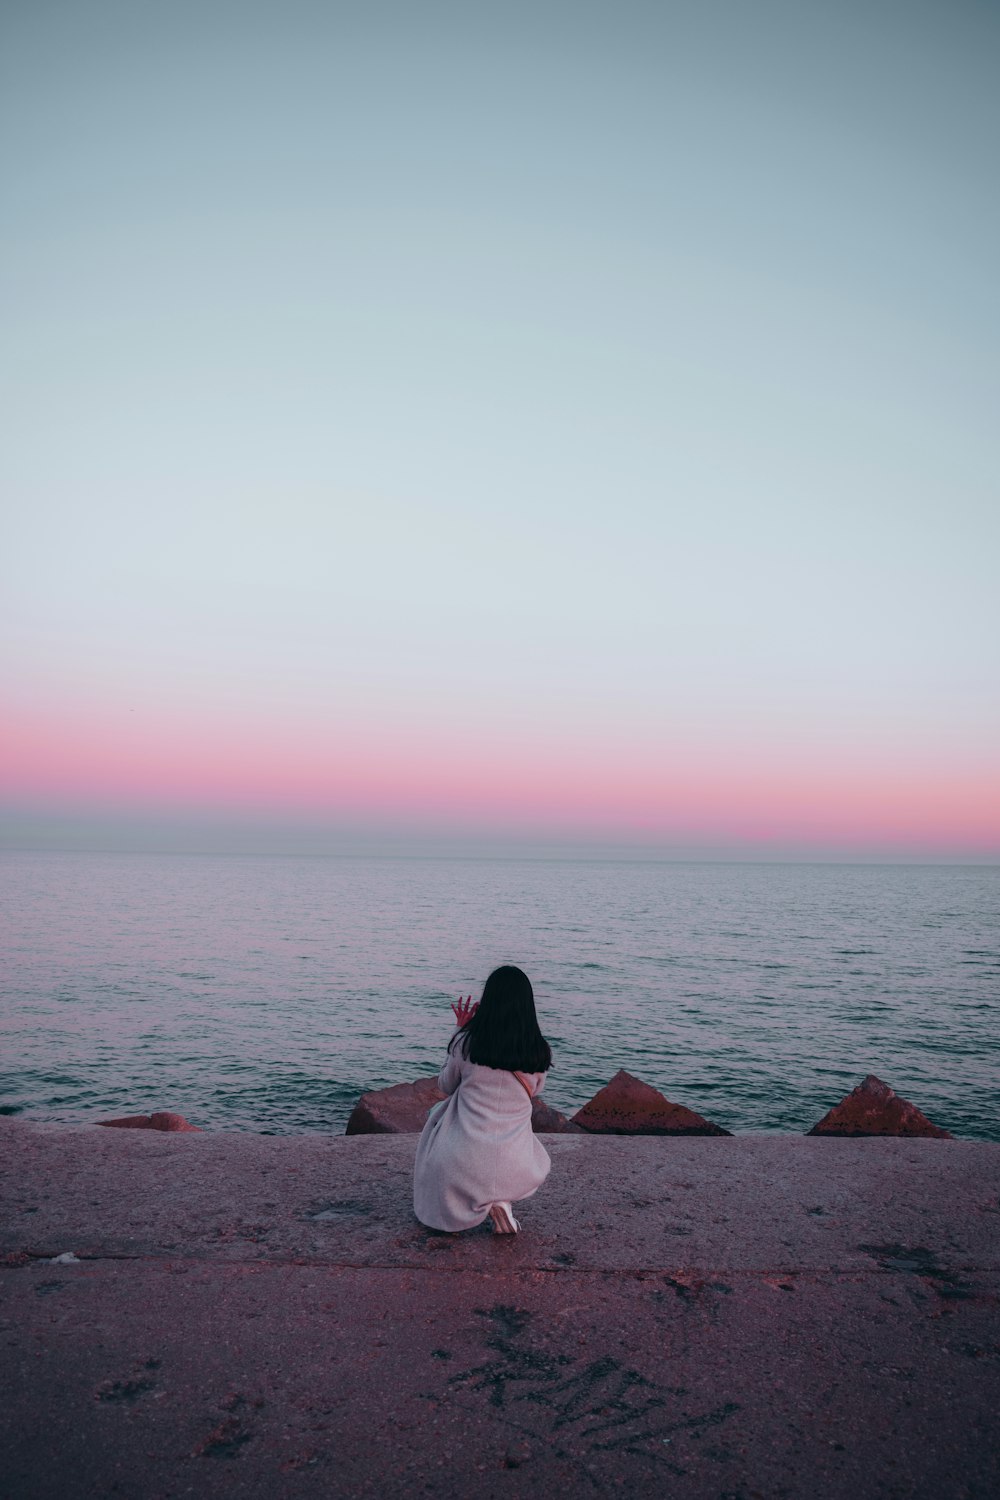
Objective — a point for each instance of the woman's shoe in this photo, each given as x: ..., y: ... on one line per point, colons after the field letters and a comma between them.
x: 503, y: 1219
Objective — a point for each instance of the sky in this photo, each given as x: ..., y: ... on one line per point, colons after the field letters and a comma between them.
x: 552, y: 426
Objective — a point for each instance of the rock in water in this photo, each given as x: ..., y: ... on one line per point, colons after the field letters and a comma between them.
x: 874, y: 1109
x: 399, y: 1110
x: 164, y: 1119
x: 548, y: 1121
x: 627, y: 1106
x: 167, y: 1120
x: 402, y: 1110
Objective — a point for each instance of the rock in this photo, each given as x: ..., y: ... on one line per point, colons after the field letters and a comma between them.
x: 627, y: 1106
x: 548, y: 1121
x: 874, y: 1109
x: 399, y: 1110
x: 163, y: 1120
x: 167, y: 1120
x: 402, y: 1110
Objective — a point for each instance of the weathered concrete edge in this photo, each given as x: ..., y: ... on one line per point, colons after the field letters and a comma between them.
x: 209, y: 1133
x: 777, y: 1203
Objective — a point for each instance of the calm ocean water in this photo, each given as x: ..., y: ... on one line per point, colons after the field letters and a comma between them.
x: 266, y: 993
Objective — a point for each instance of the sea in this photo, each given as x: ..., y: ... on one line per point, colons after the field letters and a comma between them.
x: 266, y: 993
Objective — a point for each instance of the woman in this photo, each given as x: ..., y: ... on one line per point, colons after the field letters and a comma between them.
x: 477, y: 1153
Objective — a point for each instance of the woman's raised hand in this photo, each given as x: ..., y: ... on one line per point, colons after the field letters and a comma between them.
x: 465, y: 1010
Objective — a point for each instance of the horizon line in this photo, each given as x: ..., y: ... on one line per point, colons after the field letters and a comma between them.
x: 520, y: 856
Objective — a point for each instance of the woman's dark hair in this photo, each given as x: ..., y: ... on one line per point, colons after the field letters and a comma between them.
x: 504, y: 1032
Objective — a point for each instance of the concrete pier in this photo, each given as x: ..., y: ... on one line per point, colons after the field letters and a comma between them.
x: 755, y: 1318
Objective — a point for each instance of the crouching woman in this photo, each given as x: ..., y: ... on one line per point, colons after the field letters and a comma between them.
x: 477, y: 1154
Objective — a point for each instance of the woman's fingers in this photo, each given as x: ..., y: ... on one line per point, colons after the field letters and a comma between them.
x: 465, y: 1010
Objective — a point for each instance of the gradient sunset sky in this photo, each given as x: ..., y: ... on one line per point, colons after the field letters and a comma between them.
x: 522, y: 426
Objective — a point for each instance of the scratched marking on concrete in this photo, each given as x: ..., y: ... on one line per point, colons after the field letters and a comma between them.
x: 917, y: 1260
x: 343, y: 1208
x: 228, y: 1437
x: 605, y: 1405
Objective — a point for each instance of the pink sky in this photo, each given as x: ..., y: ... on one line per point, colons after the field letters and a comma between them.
x: 685, y: 793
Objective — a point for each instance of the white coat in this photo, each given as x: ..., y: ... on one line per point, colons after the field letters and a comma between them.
x: 477, y: 1147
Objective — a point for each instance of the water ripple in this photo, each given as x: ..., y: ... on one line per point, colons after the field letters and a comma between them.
x: 265, y: 994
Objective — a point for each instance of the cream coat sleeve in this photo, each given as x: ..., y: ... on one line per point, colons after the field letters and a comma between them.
x: 450, y: 1075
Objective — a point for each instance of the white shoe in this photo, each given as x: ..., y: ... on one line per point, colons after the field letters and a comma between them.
x: 503, y: 1219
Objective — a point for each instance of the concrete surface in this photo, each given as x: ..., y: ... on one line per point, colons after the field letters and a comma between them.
x: 754, y: 1318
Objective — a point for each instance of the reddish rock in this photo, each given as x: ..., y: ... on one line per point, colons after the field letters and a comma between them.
x: 167, y: 1120
x: 402, y: 1110
x: 163, y: 1120
x: 548, y: 1121
x: 399, y: 1110
x: 627, y: 1106
x: 873, y: 1109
